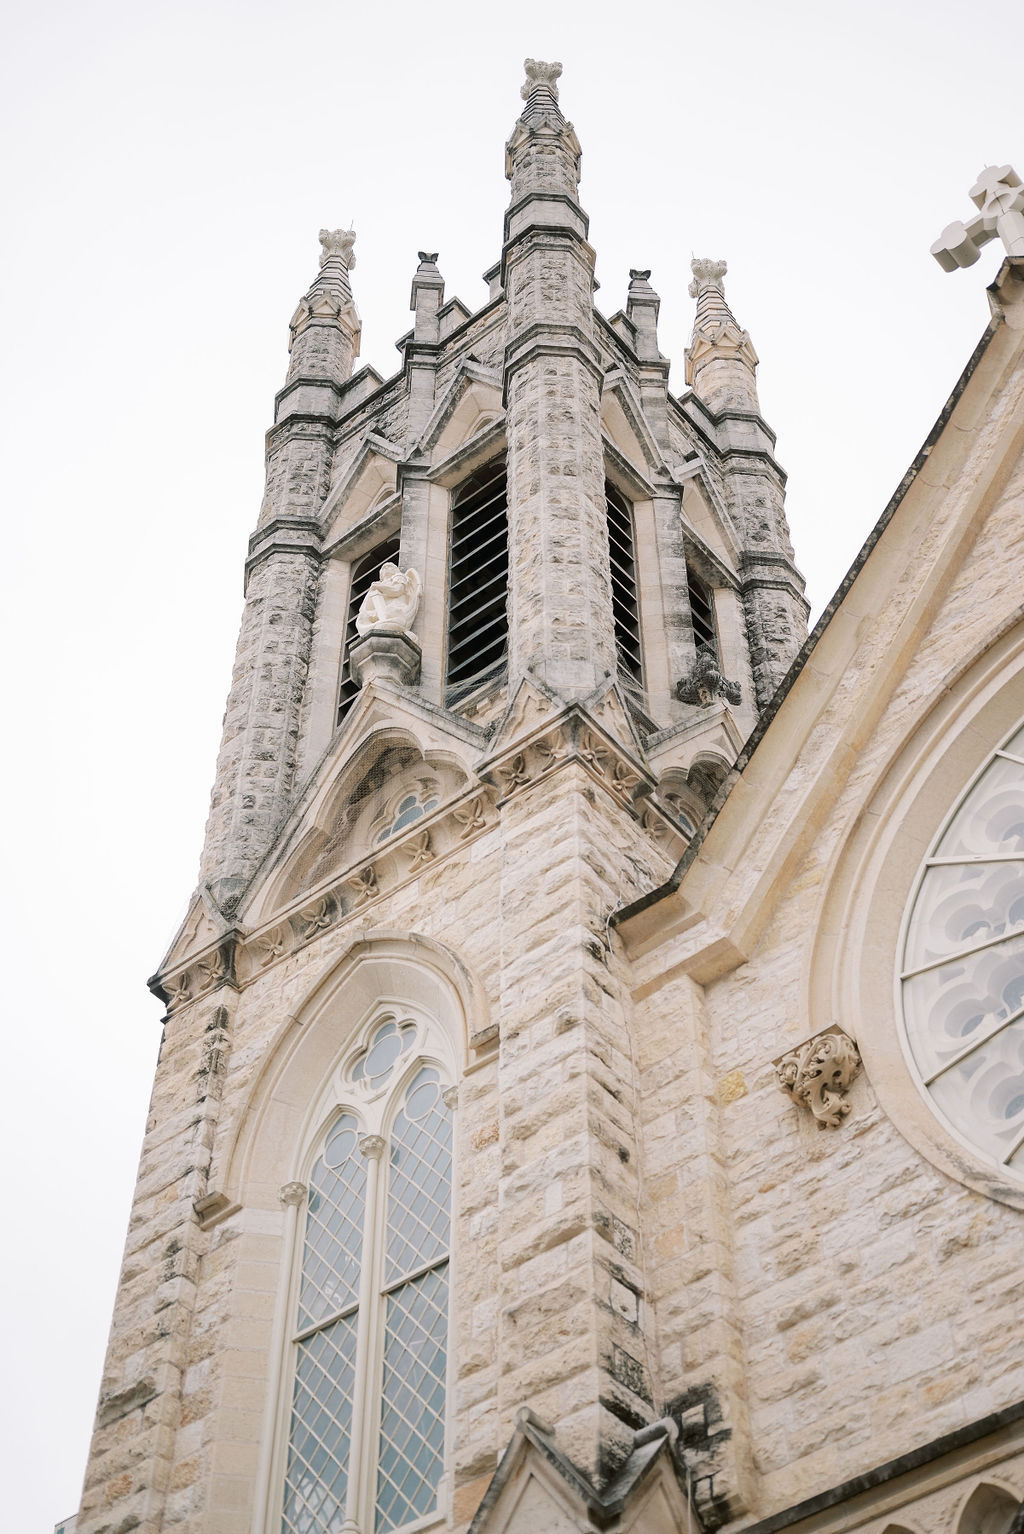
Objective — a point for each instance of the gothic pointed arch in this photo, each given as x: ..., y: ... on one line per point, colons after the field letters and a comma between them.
x: 988, y: 1509
x: 370, y: 475
x: 285, y: 1105
x: 625, y: 424
x: 471, y: 401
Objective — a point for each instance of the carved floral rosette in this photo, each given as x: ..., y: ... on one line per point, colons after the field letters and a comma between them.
x: 817, y: 1074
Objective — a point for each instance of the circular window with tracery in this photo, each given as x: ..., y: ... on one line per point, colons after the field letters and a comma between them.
x: 962, y: 965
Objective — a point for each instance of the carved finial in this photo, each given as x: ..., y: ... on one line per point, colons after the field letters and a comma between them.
x: 636, y: 274
x: 428, y: 257
x: 999, y: 195
x: 338, y: 242
x: 707, y: 274
x: 539, y: 73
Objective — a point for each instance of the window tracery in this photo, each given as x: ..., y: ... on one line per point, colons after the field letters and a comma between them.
x: 366, y: 1433
x: 412, y: 806
x: 961, y: 977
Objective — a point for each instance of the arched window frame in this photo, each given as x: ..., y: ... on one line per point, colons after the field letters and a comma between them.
x: 376, y: 1110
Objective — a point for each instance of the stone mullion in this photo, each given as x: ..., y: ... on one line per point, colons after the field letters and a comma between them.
x: 415, y: 553
x: 673, y: 589
x: 561, y: 1172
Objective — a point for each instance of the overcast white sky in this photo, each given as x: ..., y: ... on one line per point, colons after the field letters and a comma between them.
x: 167, y: 169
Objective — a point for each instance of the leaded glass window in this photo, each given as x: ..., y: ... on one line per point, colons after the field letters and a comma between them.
x: 962, y: 968
x: 371, y: 1318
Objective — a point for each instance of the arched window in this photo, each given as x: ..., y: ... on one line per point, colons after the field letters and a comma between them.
x: 366, y: 1434
x: 702, y: 613
x: 962, y: 968
x: 364, y: 572
x: 477, y: 582
x: 625, y: 596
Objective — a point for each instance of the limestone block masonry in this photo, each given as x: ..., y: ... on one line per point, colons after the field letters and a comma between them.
x: 637, y: 873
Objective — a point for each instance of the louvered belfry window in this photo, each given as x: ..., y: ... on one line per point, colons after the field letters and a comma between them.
x: 625, y: 598
x: 478, y: 582
x: 702, y: 613
x: 366, y: 1439
x: 364, y: 572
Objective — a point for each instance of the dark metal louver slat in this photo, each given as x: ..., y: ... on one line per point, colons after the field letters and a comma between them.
x: 496, y: 541
x: 702, y: 613
x: 625, y: 597
x: 477, y: 582
x: 364, y: 573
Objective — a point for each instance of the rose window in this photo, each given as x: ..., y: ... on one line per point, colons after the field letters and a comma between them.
x: 962, y: 973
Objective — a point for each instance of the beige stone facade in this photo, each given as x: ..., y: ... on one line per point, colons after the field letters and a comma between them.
x: 637, y: 897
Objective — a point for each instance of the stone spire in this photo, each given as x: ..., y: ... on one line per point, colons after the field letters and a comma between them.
x: 721, y: 362
x: 542, y: 157
x: 325, y: 328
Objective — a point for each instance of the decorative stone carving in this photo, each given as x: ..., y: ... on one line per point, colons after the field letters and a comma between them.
x: 391, y: 603
x: 622, y: 779
x: 592, y: 750
x: 372, y: 1146
x: 179, y: 991
x: 338, y: 242
x: 471, y: 819
x: 999, y: 195
x: 212, y: 969
x: 551, y: 750
x: 318, y: 917
x: 704, y: 682
x: 292, y: 1193
x: 540, y: 73
x: 516, y: 775
x: 817, y: 1074
x: 420, y: 850
x: 365, y: 885
x: 706, y: 274
x: 272, y: 946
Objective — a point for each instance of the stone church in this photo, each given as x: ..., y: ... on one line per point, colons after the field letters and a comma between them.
x: 592, y: 1087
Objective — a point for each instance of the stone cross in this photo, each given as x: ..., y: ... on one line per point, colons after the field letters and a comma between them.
x: 999, y: 195
x: 338, y: 242
x: 539, y: 73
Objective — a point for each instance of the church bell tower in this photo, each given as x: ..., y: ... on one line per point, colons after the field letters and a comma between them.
x: 510, y: 615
